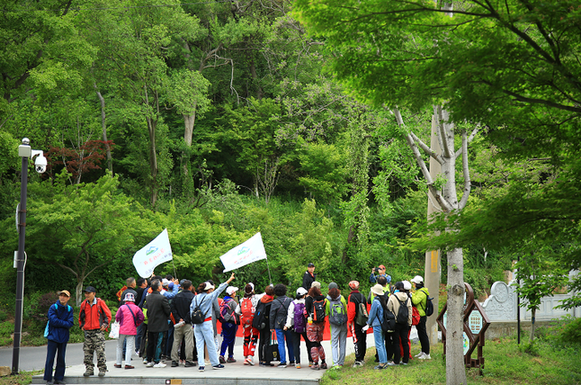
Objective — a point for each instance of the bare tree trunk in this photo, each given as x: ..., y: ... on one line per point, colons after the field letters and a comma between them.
x: 104, y: 129
x: 455, y: 370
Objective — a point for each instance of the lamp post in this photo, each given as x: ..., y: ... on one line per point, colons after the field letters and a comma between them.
x: 25, y: 152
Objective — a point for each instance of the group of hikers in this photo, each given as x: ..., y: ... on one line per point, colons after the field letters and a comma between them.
x: 163, y: 319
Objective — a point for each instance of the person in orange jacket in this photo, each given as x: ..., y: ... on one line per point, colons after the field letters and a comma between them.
x: 94, y: 319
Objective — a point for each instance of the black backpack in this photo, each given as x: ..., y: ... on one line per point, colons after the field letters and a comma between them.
x: 402, y: 313
x: 259, y: 321
x: 388, y: 321
x: 318, y: 314
x: 197, y: 315
x: 429, y: 305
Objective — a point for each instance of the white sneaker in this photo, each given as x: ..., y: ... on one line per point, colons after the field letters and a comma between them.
x: 425, y: 356
x: 419, y: 354
x: 149, y: 364
x: 159, y: 365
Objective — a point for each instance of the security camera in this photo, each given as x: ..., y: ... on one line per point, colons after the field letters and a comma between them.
x: 40, y: 164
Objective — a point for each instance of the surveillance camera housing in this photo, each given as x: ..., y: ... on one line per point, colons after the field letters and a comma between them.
x: 40, y: 164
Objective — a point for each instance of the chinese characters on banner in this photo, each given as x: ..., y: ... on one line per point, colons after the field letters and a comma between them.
x: 154, y: 254
x: 250, y: 251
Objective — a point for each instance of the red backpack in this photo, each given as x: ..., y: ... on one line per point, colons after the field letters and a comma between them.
x: 247, y: 310
x: 415, y: 316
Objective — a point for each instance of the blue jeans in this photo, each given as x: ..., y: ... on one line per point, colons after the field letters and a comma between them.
x: 52, y: 349
x: 380, y: 344
x: 229, y: 333
x: 204, y: 333
x: 280, y: 337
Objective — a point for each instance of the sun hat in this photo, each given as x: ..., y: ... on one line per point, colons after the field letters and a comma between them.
x: 377, y: 289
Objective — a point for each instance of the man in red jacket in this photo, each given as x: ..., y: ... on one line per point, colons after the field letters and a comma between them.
x: 94, y: 319
x: 359, y: 336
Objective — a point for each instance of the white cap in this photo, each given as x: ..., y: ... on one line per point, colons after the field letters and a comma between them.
x: 301, y: 291
x: 208, y: 286
x: 231, y: 290
x: 407, y: 285
x: 164, y: 282
x: 417, y: 279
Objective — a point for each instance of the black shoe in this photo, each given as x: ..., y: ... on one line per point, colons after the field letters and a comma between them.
x: 189, y: 364
x: 60, y: 382
x: 174, y: 364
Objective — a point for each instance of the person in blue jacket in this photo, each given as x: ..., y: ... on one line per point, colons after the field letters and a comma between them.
x: 60, y: 320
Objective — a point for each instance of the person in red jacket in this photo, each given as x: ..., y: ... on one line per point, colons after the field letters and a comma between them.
x: 359, y: 336
x: 94, y: 319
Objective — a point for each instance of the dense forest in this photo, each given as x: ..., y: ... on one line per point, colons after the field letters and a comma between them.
x: 306, y: 122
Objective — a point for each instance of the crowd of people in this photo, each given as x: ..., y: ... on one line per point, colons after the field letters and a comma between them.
x: 162, y: 319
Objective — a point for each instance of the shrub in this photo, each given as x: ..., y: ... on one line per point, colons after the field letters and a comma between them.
x: 571, y: 332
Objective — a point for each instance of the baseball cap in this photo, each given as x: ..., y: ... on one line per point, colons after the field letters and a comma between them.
x: 354, y: 285
x: 90, y: 289
x: 231, y: 290
x: 311, y: 265
x: 301, y: 291
x: 129, y: 297
x: 65, y: 292
x: 417, y: 279
x: 381, y: 267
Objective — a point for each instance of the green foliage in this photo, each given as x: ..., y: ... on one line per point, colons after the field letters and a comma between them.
x: 571, y: 332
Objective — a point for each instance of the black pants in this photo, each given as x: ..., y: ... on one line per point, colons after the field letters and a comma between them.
x: 359, y: 341
x: 297, y: 346
x: 400, y: 339
x: 262, y: 343
x: 423, y: 335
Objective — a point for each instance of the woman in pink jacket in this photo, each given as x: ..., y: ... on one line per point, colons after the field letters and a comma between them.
x: 129, y: 317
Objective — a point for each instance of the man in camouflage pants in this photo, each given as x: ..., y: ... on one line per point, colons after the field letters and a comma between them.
x: 94, y: 319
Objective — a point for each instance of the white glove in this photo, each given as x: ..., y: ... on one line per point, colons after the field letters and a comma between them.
x: 364, y: 328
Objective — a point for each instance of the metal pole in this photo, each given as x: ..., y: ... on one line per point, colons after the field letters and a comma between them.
x: 518, y: 309
x: 20, y: 267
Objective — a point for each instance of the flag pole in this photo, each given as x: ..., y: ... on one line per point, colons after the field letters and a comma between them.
x: 268, y: 268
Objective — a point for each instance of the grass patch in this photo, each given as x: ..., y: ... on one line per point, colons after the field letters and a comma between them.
x: 23, y: 378
x: 505, y: 363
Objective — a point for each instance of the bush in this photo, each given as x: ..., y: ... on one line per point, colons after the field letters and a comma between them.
x: 571, y: 332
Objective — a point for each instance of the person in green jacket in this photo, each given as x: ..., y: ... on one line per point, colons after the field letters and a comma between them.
x: 419, y: 300
x: 336, y: 310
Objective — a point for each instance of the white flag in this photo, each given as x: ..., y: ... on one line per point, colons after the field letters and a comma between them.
x: 154, y: 254
x: 250, y: 251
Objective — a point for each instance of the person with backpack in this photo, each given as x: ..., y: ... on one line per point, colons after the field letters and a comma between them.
x: 278, y: 315
x: 296, y: 322
x: 261, y: 322
x: 129, y: 316
x: 246, y: 309
x: 60, y: 320
x: 400, y: 305
x: 357, y: 317
x: 229, y: 321
x: 336, y: 310
x: 94, y: 319
x: 419, y: 299
x: 204, y: 331
x: 377, y: 322
x: 315, y: 305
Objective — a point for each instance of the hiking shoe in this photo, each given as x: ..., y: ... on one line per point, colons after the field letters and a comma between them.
x: 201, y: 369
x: 149, y: 365
x: 292, y: 363
x: 174, y: 364
x: 159, y: 365
x: 281, y: 365
x: 218, y: 367
x: 230, y: 360
x: 419, y: 354
x: 189, y: 364
x: 298, y: 366
x: 88, y: 373
x: 425, y: 357
x: 117, y: 366
x: 251, y: 361
x: 315, y: 367
x: 102, y: 373
x: 324, y: 366
x: 145, y: 360
x: 391, y: 363
x: 380, y: 366
x: 222, y: 360
x: 129, y: 367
